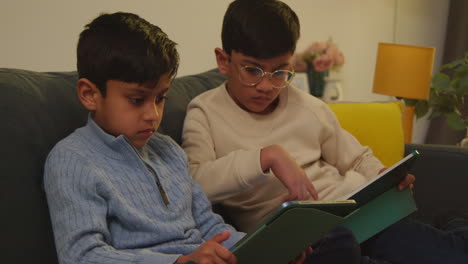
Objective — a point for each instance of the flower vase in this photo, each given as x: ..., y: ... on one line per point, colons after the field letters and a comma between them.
x: 316, y: 81
x: 333, y: 92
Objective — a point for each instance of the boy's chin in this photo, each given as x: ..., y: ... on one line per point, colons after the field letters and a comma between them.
x: 259, y: 110
x: 139, y: 143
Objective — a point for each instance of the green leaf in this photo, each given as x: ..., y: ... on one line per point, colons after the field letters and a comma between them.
x: 448, y: 92
x: 463, y: 85
x: 455, y: 121
x: 454, y: 64
x: 441, y: 102
x: 451, y: 88
x: 434, y: 114
x: 440, y: 82
x: 421, y: 108
x: 461, y: 70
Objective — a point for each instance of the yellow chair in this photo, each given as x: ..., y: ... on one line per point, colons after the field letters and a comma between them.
x: 375, y: 124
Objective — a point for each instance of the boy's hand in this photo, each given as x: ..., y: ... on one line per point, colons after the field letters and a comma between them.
x: 300, y: 259
x: 288, y: 172
x: 407, y: 181
x: 211, y: 252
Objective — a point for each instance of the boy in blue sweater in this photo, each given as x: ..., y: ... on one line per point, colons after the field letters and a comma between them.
x: 118, y: 192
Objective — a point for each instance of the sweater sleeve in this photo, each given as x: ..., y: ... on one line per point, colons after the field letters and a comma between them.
x: 78, y: 215
x: 219, y: 177
x: 344, y: 151
x: 207, y: 221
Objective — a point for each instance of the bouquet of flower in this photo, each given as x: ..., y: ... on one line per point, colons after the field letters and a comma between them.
x: 323, y: 56
x: 317, y: 60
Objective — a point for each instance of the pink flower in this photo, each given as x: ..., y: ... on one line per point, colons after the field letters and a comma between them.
x: 322, y: 55
x: 316, y: 47
x: 323, y: 62
x: 331, y: 51
x: 335, y: 54
x: 339, y: 58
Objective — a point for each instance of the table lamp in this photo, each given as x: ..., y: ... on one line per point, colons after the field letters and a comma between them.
x: 404, y: 71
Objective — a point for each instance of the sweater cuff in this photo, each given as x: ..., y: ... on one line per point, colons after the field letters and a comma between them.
x: 371, y: 168
x: 251, y: 169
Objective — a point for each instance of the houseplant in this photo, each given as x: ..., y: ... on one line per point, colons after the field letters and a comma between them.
x: 448, y: 92
x: 317, y: 60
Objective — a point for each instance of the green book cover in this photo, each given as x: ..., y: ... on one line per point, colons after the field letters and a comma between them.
x: 282, y: 239
x: 286, y: 233
x: 380, y: 213
x: 285, y: 237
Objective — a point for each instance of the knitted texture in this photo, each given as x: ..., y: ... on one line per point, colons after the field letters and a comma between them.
x: 105, y: 205
x: 223, y: 143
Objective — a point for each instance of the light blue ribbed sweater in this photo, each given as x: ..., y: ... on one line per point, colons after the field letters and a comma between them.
x: 105, y: 205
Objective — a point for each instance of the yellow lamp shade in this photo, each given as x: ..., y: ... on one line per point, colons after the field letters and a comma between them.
x: 403, y: 71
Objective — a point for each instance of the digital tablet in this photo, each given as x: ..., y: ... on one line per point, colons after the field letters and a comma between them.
x: 291, y: 229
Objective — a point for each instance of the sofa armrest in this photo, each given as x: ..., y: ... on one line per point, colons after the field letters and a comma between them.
x: 441, y: 179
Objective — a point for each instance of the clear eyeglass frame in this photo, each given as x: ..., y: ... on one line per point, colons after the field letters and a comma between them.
x: 252, y: 75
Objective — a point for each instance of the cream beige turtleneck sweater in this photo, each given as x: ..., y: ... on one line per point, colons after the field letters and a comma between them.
x: 223, y: 144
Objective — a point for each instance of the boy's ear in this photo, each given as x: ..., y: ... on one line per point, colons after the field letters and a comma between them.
x: 88, y: 93
x: 222, y: 59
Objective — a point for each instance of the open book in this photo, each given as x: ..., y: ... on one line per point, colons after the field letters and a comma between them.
x: 297, y: 225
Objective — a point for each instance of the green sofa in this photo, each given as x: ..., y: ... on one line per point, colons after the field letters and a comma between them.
x: 40, y: 108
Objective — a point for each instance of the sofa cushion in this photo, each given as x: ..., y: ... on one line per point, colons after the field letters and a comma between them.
x: 377, y: 125
x: 37, y: 109
x: 183, y: 90
x: 441, y: 179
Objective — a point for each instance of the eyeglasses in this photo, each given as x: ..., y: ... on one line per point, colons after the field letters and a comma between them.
x: 251, y: 76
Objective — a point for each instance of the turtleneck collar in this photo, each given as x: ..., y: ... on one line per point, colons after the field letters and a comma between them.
x: 116, y: 147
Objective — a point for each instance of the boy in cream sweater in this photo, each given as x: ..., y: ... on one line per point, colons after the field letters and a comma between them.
x: 255, y: 141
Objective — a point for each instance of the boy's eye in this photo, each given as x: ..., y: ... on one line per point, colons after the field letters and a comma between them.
x: 160, y: 99
x: 253, y: 70
x: 281, y: 74
x: 136, y: 100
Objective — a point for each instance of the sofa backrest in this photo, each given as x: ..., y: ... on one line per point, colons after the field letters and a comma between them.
x: 182, y: 91
x: 38, y: 110
x: 375, y: 124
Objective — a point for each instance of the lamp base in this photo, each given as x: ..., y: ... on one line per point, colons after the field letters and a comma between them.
x: 408, y: 116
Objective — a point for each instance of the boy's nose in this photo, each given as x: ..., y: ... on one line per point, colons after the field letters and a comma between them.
x: 265, y: 84
x: 152, y: 113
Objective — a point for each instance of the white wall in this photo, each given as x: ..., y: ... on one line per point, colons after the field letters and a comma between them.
x: 42, y: 35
